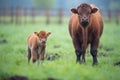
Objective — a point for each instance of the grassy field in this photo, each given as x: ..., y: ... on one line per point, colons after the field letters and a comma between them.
x: 13, y: 54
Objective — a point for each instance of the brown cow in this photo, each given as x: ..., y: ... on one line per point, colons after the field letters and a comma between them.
x: 37, y: 45
x: 85, y: 27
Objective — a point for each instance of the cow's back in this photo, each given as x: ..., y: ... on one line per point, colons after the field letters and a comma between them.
x: 32, y: 40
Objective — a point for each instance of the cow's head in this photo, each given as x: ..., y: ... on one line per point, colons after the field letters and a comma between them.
x: 42, y: 36
x: 84, y: 11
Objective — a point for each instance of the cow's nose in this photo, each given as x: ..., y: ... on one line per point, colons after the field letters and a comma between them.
x: 44, y: 42
x: 84, y: 22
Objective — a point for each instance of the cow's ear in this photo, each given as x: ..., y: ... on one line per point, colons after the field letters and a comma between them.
x: 73, y: 10
x: 94, y: 10
x: 48, y: 34
x: 36, y: 33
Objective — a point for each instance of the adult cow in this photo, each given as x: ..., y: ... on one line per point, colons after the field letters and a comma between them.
x: 85, y: 27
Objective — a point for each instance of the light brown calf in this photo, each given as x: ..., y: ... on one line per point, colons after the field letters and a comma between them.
x: 37, y: 45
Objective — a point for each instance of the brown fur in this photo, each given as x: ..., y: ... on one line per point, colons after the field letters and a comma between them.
x: 83, y: 35
x: 37, y: 45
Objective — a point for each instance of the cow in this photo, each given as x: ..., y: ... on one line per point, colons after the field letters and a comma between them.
x: 85, y: 27
x: 36, y: 45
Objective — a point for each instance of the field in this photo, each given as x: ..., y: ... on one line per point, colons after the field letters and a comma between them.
x: 13, y: 54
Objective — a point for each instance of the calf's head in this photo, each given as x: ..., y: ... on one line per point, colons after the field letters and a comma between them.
x: 84, y: 12
x: 42, y: 35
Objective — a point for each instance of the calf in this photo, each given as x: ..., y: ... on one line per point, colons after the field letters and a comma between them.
x: 85, y: 27
x: 37, y: 45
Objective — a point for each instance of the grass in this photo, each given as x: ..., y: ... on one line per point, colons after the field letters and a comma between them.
x: 13, y: 54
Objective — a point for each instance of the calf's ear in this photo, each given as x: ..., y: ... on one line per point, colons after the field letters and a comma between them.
x: 48, y: 34
x: 94, y: 10
x: 73, y: 10
x: 36, y: 33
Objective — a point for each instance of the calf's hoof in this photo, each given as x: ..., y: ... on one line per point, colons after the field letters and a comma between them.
x: 33, y: 60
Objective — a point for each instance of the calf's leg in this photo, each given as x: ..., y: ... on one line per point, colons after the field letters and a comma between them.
x: 42, y: 54
x: 29, y: 55
x: 34, y: 55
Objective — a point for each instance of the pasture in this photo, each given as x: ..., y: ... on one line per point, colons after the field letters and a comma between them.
x: 13, y: 54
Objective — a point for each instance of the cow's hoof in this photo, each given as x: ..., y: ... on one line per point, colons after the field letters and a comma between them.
x: 95, y: 63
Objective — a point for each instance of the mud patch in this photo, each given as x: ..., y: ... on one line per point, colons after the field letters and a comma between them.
x: 52, y: 79
x: 3, y: 41
x: 52, y: 56
x: 117, y: 64
x: 16, y: 77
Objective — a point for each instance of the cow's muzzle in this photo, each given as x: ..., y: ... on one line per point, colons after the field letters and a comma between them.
x: 84, y: 22
x: 43, y: 42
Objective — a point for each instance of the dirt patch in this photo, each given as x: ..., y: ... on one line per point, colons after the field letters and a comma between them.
x: 117, y: 64
x: 52, y: 56
x: 52, y: 79
x: 16, y: 77
x: 3, y: 41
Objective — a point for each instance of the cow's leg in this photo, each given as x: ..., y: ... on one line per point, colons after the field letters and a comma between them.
x: 29, y: 55
x: 34, y: 55
x: 78, y: 49
x: 83, y: 57
x: 94, y: 54
x: 42, y: 55
x: 93, y: 51
x: 79, y: 53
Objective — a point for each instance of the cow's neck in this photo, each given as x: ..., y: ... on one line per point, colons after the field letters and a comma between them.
x: 85, y: 36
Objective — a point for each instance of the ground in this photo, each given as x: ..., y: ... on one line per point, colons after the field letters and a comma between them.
x: 13, y: 54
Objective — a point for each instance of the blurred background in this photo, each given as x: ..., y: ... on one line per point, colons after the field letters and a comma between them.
x: 51, y: 11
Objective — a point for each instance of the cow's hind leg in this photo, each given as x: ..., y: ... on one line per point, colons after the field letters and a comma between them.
x: 34, y: 55
x: 29, y: 55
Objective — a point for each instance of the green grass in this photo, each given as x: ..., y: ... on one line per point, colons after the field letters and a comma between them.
x: 13, y: 54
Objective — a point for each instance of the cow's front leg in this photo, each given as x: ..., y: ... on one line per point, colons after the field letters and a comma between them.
x: 78, y: 55
x: 42, y: 53
x: 83, y: 57
x: 94, y: 55
x: 78, y: 49
x: 93, y: 51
